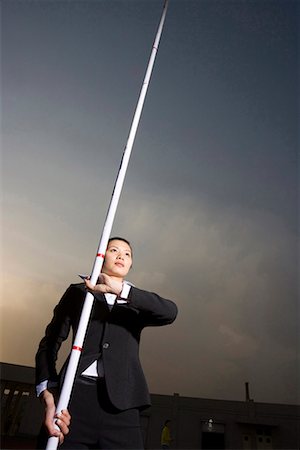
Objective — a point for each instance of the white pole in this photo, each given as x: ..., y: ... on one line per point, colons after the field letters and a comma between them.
x: 88, y: 302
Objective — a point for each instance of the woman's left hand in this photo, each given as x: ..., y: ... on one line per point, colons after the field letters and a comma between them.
x: 106, y: 285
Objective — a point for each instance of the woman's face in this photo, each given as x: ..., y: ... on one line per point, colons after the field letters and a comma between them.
x: 118, y: 259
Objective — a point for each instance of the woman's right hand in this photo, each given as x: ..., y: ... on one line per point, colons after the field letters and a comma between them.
x: 62, y: 419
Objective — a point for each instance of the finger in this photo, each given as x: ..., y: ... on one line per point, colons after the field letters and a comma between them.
x: 63, y: 426
x: 52, y: 431
x: 66, y: 415
x: 89, y: 285
x: 63, y: 420
x: 99, y: 288
x: 61, y: 438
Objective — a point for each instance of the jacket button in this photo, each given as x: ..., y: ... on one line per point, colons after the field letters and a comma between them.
x: 106, y: 345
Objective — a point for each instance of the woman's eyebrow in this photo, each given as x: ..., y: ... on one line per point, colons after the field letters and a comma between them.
x: 118, y: 248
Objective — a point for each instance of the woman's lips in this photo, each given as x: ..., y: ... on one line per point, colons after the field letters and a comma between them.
x: 119, y: 264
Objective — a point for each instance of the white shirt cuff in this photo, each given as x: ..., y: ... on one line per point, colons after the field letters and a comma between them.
x: 45, y: 385
x: 125, y: 291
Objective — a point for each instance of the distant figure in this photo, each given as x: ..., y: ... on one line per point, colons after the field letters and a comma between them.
x: 166, y: 435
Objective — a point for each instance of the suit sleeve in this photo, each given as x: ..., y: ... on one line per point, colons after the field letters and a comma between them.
x: 56, y: 332
x: 154, y: 310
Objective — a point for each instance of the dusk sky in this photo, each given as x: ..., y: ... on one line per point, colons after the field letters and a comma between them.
x: 210, y: 197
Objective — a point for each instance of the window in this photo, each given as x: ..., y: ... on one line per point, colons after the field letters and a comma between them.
x: 264, y: 438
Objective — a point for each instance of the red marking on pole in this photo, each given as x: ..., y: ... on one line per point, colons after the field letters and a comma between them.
x: 75, y: 347
x: 100, y: 255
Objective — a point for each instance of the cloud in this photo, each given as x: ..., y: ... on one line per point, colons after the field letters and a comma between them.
x: 230, y: 271
x: 26, y: 308
x: 232, y: 274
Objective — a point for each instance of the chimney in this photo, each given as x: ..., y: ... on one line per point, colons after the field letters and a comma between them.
x: 248, y: 399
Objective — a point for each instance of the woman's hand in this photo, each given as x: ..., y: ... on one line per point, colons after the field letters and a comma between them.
x: 63, y: 418
x: 105, y: 285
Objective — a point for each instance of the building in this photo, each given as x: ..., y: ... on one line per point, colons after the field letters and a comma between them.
x: 196, y: 423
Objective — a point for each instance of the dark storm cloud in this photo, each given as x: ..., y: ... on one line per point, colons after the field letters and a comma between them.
x: 210, y: 197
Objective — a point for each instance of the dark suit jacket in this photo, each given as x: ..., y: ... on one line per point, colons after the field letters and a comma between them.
x: 114, y: 334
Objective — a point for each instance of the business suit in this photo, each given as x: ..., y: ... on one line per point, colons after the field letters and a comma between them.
x: 113, y: 335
